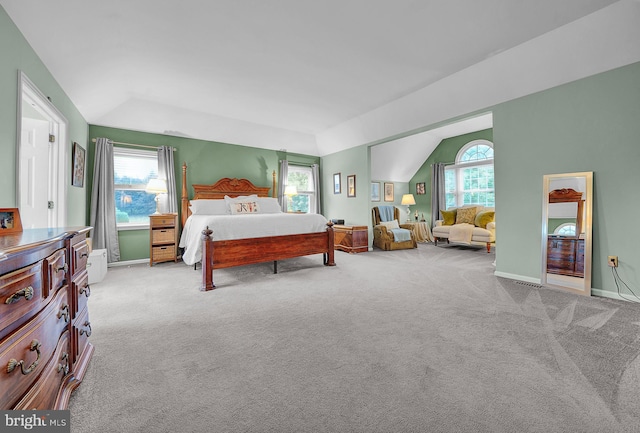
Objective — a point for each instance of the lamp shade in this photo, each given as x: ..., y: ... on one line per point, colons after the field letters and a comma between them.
x: 156, y: 186
x: 407, y: 200
x: 290, y: 190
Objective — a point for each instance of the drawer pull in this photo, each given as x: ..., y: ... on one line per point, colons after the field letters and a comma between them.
x: 86, y: 291
x: 64, y: 311
x: 86, y: 331
x: 64, y: 367
x: 35, y: 345
x: 65, y: 268
x: 27, y: 292
x: 83, y: 255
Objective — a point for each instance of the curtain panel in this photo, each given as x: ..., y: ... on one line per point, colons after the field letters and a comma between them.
x: 437, y: 191
x: 166, y: 170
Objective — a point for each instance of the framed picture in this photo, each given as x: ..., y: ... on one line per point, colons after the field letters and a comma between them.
x: 388, y: 191
x: 10, y: 220
x: 375, y: 191
x: 351, y: 185
x: 420, y: 188
x: 77, y: 177
x: 337, y: 187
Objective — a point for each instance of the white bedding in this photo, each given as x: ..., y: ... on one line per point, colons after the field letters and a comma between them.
x: 230, y: 227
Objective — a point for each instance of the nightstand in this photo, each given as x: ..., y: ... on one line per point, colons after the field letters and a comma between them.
x: 163, y: 238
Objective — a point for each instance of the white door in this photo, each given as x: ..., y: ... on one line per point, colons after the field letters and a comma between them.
x: 35, y: 173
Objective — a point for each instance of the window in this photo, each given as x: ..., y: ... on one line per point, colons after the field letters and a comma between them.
x: 470, y: 179
x: 132, y: 170
x: 302, y: 178
x: 566, y: 229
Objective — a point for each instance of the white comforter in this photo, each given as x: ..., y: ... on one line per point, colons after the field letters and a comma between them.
x: 229, y: 227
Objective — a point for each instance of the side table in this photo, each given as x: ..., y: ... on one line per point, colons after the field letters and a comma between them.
x: 420, y: 230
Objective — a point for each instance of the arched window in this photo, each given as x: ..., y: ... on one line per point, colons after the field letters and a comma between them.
x: 566, y: 229
x: 470, y: 180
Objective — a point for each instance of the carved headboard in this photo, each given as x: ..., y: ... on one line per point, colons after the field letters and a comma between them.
x: 232, y: 187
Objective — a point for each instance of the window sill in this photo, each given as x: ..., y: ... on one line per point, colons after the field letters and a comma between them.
x: 142, y: 226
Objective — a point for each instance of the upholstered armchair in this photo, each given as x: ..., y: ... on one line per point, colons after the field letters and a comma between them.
x: 386, y: 235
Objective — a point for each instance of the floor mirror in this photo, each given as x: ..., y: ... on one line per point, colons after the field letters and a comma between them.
x: 567, y: 231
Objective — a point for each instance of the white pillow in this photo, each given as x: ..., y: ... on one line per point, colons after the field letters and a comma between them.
x: 238, y: 207
x: 393, y: 224
x: 269, y: 205
x: 209, y: 207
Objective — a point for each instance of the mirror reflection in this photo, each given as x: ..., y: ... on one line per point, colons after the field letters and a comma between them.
x: 567, y: 250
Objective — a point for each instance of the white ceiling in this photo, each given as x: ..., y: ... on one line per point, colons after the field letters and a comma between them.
x: 276, y: 74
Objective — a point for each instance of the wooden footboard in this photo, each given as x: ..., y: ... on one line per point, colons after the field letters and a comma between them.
x: 225, y: 254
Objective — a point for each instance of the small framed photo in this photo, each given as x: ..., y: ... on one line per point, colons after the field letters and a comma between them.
x: 351, y: 185
x: 10, y: 220
x: 375, y: 191
x: 388, y: 191
x: 420, y: 188
x: 337, y: 187
x: 77, y: 177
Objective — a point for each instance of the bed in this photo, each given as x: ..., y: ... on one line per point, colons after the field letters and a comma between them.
x: 220, y: 240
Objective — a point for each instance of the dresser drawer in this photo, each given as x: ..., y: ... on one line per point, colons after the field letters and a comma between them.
x: 81, y: 291
x: 21, y: 296
x: 163, y: 236
x: 25, y: 353
x: 81, y: 331
x: 162, y: 221
x: 79, y: 256
x: 44, y: 393
x: 55, y: 272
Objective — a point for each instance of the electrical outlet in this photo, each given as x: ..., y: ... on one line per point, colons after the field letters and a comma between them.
x: 612, y: 261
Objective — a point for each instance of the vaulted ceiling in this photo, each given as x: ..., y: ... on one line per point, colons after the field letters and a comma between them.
x: 279, y: 74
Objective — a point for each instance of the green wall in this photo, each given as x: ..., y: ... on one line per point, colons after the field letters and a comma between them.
x: 207, y: 161
x: 17, y: 55
x: 591, y: 124
x: 445, y: 152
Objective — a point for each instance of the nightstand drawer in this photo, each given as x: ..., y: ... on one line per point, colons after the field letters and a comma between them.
x: 163, y: 236
x: 162, y: 221
x: 164, y: 253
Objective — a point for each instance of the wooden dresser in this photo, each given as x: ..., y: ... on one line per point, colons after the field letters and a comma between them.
x: 351, y: 238
x: 565, y: 256
x: 163, y: 238
x: 44, y: 320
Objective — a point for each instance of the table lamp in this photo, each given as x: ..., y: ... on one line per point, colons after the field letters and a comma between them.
x: 408, y: 200
x: 157, y: 187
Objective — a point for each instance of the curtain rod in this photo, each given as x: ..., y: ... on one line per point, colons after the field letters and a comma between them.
x: 136, y: 145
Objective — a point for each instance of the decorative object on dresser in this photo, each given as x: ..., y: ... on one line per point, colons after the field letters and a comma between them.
x: 10, y: 220
x: 44, y: 319
x: 351, y: 238
x: 224, y: 252
x: 163, y: 238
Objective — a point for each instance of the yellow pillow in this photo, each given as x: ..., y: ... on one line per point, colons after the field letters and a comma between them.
x: 466, y: 215
x: 483, y: 218
x: 448, y: 217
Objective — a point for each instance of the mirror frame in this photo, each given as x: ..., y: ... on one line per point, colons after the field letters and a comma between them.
x: 578, y: 285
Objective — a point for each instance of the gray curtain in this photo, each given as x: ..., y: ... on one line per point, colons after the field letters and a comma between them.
x: 315, y: 170
x: 166, y: 170
x: 282, y: 183
x: 103, y: 206
x: 437, y: 191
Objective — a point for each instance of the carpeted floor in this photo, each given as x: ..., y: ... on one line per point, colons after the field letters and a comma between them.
x: 425, y: 340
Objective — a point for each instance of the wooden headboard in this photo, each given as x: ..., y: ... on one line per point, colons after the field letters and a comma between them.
x: 232, y: 187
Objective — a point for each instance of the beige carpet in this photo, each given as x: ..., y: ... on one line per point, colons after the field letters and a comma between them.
x: 424, y: 340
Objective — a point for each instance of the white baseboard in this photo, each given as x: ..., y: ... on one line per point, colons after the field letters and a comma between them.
x: 517, y: 277
x: 128, y: 263
x: 612, y: 295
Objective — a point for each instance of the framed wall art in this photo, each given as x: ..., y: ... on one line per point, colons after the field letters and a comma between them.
x: 388, y: 191
x: 375, y: 191
x: 351, y: 185
x: 77, y: 177
x: 10, y: 220
x: 337, y: 187
x: 420, y: 188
